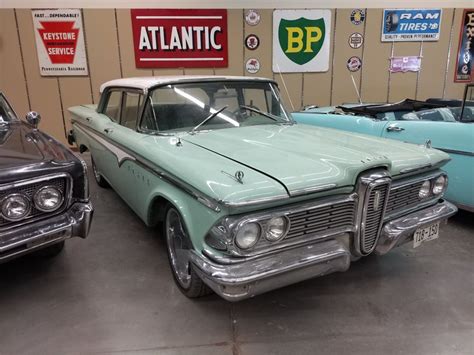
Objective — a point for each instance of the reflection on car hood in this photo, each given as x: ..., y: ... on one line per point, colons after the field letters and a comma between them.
x: 303, y: 157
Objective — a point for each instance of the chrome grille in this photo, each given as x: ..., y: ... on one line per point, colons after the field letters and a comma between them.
x: 316, y: 220
x: 29, y: 190
x: 403, y: 197
x: 373, y: 217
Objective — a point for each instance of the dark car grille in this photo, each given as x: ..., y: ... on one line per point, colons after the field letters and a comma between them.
x: 403, y: 197
x: 29, y: 190
x: 373, y: 217
x: 321, y: 219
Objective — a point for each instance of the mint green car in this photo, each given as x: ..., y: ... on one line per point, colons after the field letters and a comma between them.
x: 250, y: 201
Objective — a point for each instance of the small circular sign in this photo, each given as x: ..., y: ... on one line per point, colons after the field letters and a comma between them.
x: 354, y: 63
x: 252, y: 42
x: 252, y: 17
x: 357, y: 16
x: 252, y: 65
x: 356, y: 40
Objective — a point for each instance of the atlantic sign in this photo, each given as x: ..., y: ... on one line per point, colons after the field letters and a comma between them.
x: 301, y: 40
x: 165, y: 38
x: 411, y: 25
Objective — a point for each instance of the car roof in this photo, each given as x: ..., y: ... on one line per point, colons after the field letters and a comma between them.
x: 146, y: 82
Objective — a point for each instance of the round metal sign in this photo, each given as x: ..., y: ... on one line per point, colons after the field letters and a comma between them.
x: 357, y: 16
x: 354, y: 63
x: 252, y: 42
x: 252, y: 17
x: 252, y: 65
x: 356, y: 40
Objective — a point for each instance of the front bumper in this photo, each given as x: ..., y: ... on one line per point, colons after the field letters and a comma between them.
x: 241, y: 280
x: 74, y: 222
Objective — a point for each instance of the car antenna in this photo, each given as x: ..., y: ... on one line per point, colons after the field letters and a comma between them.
x: 357, y: 90
x: 284, y: 85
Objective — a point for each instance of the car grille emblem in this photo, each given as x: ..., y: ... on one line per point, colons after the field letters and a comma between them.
x: 376, y: 205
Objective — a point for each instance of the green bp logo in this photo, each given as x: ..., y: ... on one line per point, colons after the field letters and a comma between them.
x: 301, y: 39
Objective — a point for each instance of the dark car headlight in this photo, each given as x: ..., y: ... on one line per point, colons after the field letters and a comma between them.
x: 15, y: 207
x: 48, y: 199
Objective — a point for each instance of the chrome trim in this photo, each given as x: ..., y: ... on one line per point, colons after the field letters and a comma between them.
x: 28, y: 210
x: 312, y: 189
x: 45, y: 210
x: 454, y: 151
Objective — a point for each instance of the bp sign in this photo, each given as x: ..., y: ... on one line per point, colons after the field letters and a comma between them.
x: 301, y: 40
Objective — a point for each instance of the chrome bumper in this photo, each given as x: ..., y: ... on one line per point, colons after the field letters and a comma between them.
x: 75, y: 222
x: 251, y: 277
x: 401, y: 230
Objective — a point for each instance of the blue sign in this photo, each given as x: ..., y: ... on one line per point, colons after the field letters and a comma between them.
x: 411, y: 25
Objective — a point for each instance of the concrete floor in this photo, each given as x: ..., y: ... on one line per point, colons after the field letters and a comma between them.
x: 114, y: 293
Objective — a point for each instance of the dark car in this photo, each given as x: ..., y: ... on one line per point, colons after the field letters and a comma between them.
x: 44, y: 197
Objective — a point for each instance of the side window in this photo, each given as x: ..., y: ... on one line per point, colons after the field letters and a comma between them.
x: 131, y: 109
x: 114, y: 106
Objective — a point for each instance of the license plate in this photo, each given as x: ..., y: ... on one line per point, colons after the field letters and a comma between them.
x: 425, y: 234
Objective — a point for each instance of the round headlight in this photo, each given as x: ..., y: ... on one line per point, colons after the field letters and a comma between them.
x: 440, y: 185
x: 276, y: 229
x: 248, y: 235
x: 48, y: 199
x: 425, y: 189
x: 15, y: 207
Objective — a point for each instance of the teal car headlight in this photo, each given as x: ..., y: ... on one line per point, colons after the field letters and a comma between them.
x: 15, y: 207
x: 425, y: 189
x: 440, y: 185
x: 276, y: 229
x: 248, y: 235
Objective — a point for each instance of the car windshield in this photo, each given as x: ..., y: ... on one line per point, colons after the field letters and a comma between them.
x: 6, y: 112
x: 213, y: 105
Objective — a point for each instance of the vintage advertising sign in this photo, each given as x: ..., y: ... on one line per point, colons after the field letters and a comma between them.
x: 464, y: 61
x: 406, y: 25
x: 405, y: 64
x: 301, y: 40
x: 166, y: 38
x: 60, y: 42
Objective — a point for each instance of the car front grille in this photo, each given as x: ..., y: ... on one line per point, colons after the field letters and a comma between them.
x: 29, y: 190
x: 319, y: 220
x: 403, y: 197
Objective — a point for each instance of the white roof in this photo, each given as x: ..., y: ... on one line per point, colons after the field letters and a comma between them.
x: 146, y: 82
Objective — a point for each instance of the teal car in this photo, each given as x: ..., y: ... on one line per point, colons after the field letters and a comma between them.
x: 450, y: 129
x: 248, y: 200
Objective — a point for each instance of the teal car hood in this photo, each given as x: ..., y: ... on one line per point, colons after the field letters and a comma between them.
x: 305, y: 158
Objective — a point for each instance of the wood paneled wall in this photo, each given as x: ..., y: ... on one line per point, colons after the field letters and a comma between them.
x: 109, y: 45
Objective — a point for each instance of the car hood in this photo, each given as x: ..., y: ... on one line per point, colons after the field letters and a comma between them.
x: 305, y: 158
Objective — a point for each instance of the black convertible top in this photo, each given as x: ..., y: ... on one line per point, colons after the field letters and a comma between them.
x: 404, y: 105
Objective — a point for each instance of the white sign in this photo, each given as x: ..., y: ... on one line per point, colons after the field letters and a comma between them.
x: 60, y: 42
x: 301, y: 40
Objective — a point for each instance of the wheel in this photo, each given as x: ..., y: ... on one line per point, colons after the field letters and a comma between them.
x: 178, y: 246
x: 99, y: 178
x: 51, y: 251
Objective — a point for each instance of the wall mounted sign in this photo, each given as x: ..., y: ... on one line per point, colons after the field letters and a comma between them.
x: 357, y: 16
x: 60, y: 42
x: 356, y: 40
x: 252, y: 42
x: 411, y: 25
x: 405, y: 64
x: 166, y: 38
x: 464, y: 62
x: 252, y: 65
x: 301, y: 40
x: 354, y: 64
x: 252, y: 18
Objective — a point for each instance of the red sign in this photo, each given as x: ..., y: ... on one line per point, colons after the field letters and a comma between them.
x: 167, y: 38
x: 60, y: 41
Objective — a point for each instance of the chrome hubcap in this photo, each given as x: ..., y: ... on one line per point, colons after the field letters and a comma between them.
x: 176, y: 241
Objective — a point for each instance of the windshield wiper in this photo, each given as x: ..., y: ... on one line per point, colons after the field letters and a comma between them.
x: 208, y: 118
x: 269, y: 115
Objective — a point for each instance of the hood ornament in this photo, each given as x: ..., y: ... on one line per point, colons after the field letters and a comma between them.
x: 238, y: 176
x: 428, y: 144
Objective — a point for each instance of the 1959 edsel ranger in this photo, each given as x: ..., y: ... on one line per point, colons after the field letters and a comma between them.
x: 249, y: 200
x: 44, y: 196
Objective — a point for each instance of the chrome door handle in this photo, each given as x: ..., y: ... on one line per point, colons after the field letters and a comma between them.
x: 108, y: 130
x: 395, y: 129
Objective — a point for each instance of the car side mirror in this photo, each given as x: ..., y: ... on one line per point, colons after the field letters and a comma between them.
x: 33, y: 118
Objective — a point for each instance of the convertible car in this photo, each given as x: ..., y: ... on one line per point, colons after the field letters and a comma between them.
x: 250, y: 201
x: 44, y: 196
x: 450, y: 129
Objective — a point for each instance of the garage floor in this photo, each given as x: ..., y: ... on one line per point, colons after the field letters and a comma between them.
x: 113, y: 293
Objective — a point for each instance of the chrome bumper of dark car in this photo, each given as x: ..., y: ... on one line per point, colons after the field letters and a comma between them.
x: 241, y: 280
x: 74, y: 222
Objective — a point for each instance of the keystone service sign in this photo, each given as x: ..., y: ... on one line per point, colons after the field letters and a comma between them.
x: 411, y: 25
x: 167, y: 38
x: 301, y: 40
x: 60, y: 42
x: 465, y: 56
